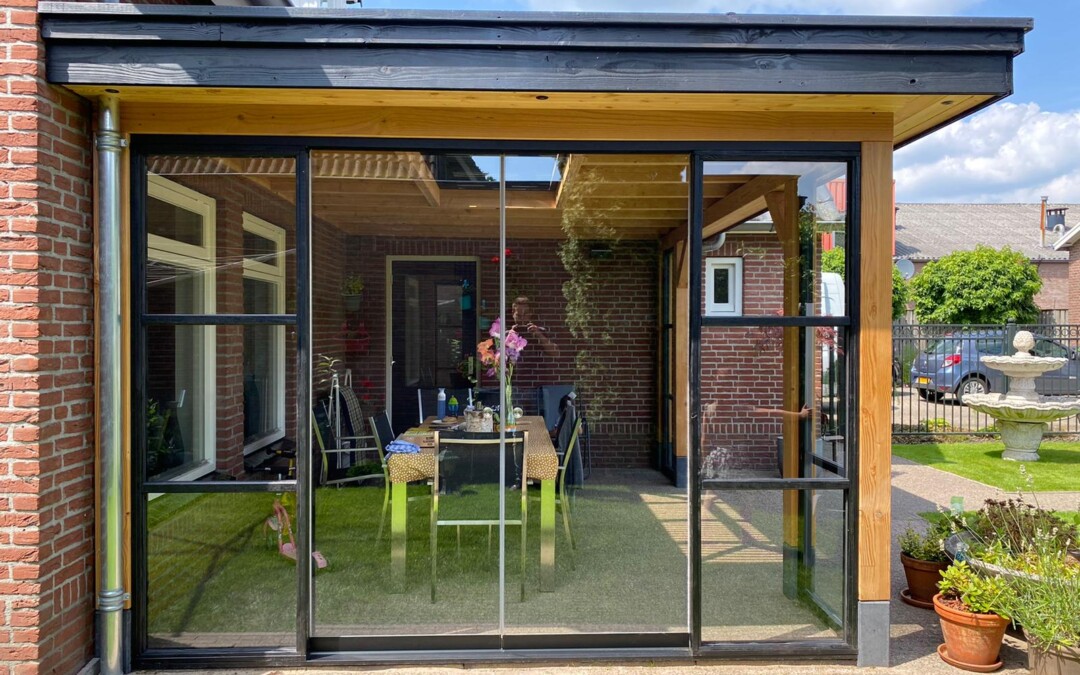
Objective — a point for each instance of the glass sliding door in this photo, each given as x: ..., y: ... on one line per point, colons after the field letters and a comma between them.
x: 216, y: 347
x: 405, y: 285
x: 528, y: 286
x: 583, y: 270
x: 775, y: 434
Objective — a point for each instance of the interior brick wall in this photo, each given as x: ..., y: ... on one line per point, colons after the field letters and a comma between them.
x: 625, y: 435
x: 46, y: 362
x: 741, y: 367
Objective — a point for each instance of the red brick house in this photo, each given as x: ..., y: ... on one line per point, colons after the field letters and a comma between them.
x: 189, y: 190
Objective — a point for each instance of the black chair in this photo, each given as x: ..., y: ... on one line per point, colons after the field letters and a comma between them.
x: 465, y: 488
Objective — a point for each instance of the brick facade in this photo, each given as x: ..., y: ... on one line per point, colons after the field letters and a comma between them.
x: 46, y: 366
x: 1074, y: 284
x: 741, y: 367
x: 624, y: 434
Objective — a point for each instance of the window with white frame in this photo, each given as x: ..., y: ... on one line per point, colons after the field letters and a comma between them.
x: 181, y: 425
x: 723, y: 286
x: 264, y: 346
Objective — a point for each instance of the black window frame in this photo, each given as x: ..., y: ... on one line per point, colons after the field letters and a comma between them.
x: 533, y: 647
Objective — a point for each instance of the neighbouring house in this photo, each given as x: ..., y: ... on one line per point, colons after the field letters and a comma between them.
x: 1066, y: 243
x: 926, y: 232
x: 216, y: 217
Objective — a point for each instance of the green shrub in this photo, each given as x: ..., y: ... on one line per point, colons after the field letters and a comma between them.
x: 977, y: 287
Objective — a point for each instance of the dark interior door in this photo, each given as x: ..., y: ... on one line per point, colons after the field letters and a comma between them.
x: 433, y: 334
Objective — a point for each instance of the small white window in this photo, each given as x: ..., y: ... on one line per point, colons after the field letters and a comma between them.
x: 723, y: 286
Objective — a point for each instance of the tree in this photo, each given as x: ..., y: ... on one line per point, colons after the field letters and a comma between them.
x: 833, y: 261
x: 981, y: 286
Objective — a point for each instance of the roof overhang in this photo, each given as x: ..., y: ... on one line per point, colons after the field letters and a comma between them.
x: 1068, y: 239
x: 926, y: 72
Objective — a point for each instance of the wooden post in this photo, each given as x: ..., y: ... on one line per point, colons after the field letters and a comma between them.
x: 784, y: 209
x: 875, y: 358
x: 681, y: 347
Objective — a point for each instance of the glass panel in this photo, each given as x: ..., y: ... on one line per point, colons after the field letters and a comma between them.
x: 583, y: 271
x: 218, y: 574
x: 217, y: 401
x: 405, y: 286
x: 774, y: 238
x: 174, y: 222
x: 213, y: 223
x: 774, y: 402
x: 772, y: 565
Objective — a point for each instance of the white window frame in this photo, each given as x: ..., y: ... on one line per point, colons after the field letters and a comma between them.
x: 200, y: 259
x: 272, y: 273
x: 735, y: 280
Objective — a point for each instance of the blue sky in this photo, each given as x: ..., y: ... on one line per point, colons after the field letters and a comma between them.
x: 1014, y: 151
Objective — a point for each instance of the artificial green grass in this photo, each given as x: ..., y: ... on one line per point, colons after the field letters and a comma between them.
x: 1058, y: 468
x: 213, y: 572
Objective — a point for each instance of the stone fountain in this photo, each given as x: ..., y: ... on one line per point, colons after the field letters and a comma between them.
x: 1021, y: 414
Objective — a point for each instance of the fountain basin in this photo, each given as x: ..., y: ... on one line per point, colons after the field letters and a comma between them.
x: 1022, y: 422
x: 1021, y: 413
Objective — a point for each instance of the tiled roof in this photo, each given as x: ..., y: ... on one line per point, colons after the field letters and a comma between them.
x: 931, y: 231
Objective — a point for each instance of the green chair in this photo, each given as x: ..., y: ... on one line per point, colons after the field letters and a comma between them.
x: 562, y: 501
x: 465, y: 464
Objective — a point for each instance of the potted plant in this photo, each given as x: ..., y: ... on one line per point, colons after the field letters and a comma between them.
x: 973, y: 613
x: 924, y: 558
x: 352, y: 290
x: 1029, y: 550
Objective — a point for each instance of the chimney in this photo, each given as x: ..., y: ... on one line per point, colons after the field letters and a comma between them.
x: 1055, y: 222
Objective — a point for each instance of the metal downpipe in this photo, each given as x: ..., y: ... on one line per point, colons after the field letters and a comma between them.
x: 111, y: 595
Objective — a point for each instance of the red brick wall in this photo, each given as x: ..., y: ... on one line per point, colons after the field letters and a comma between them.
x: 1074, y: 284
x: 46, y: 363
x: 1055, y: 289
x: 627, y: 287
x: 741, y: 367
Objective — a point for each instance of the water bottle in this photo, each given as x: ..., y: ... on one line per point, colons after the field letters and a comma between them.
x: 441, y: 407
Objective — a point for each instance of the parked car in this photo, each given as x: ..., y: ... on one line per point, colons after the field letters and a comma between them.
x: 952, y: 365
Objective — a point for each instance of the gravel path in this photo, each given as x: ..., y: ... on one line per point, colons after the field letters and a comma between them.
x: 915, y: 632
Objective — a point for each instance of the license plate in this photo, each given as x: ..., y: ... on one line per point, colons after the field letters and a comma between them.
x: 922, y: 380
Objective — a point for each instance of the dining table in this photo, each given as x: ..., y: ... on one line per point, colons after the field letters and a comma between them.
x: 541, y: 466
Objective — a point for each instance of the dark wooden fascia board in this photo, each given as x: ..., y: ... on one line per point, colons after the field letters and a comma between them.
x: 516, y: 70
x: 119, y: 44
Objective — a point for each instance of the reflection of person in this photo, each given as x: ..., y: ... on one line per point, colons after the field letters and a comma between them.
x: 523, y: 325
x: 802, y: 414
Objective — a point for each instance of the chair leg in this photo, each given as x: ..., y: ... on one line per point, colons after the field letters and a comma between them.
x: 564, y: 507
x: 434, y: 545
x: 385, y: 510
x: 524, y: 533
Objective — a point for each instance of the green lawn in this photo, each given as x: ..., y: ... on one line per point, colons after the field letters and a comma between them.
x: 215, y: 579
x: 1057, y: 469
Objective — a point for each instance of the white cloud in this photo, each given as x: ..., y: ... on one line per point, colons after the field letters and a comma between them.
x: 883, y: 7
x: 1007, y: 153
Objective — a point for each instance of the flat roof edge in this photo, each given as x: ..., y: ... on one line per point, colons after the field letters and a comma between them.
x: 473, y: 16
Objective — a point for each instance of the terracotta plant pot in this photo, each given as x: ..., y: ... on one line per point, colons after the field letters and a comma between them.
x: 972, y: 641
x: 1056, y: 661
x: 922, y: 580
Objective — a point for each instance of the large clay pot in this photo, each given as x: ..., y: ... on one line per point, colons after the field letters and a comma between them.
x: 1057, y: 661
x: 971, y: 639
x: 922, y: 578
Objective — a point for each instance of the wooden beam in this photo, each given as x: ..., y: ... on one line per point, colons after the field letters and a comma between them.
x: 743, y: 203
x: 784, y: 209
x: 472, y: 123
x: 875, y: 362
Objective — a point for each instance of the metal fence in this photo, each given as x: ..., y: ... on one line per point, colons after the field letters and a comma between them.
x: 929, y: 400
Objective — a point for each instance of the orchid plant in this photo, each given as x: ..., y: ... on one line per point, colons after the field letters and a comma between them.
x: 491, y: 353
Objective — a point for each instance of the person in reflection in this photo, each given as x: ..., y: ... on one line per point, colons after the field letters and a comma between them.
x: 524, y: 325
